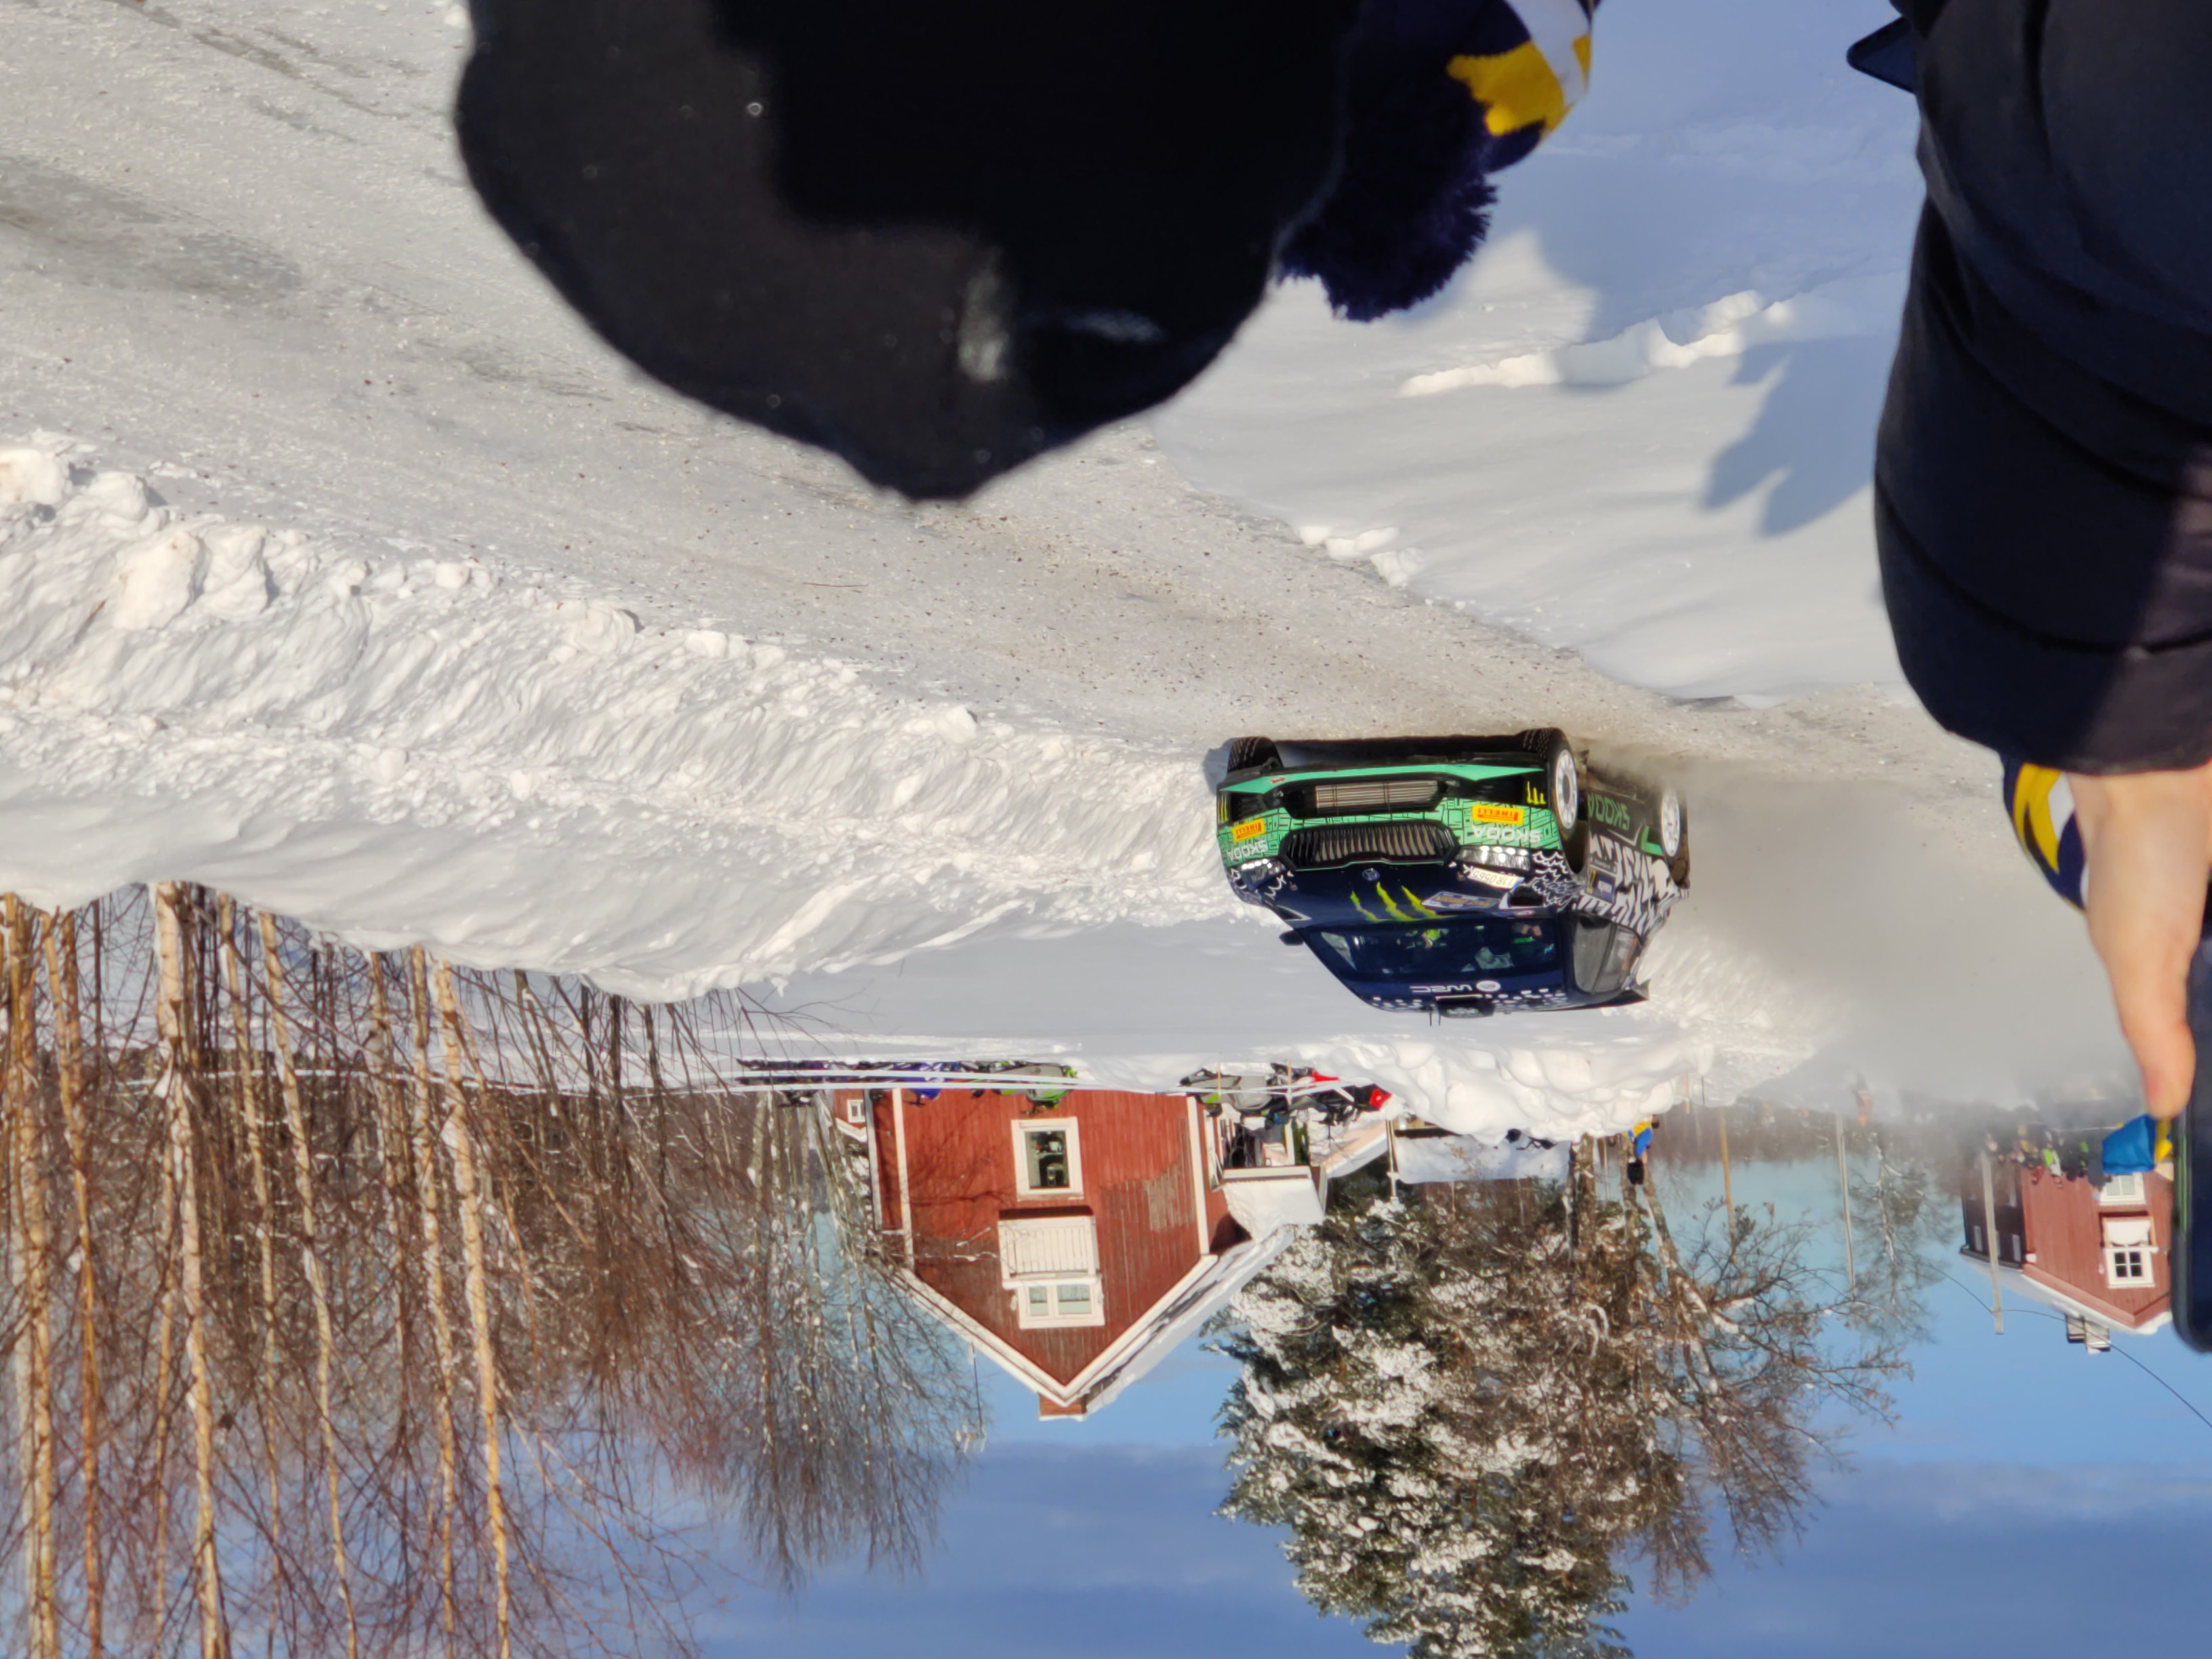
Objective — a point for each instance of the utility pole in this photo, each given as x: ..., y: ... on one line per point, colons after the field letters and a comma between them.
x: 1843, y: 1185
x: 1727, y: 1176
x: 1990, y: 1241
x: 905, y: 1187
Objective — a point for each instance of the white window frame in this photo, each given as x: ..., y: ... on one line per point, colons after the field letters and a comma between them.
x: 2115, y: 1254
x: 1066, y: 1252
x: 1029, y: 1319
x: 2134, y: 1240
x: 2122, y: 1189
x: 1024, y: 1129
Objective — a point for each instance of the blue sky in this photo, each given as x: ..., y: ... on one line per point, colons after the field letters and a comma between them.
x: 2027, y: 1494
x: 1096, y: 1552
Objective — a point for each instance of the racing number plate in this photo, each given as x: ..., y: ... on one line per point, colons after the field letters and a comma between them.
x: 1246, y: 830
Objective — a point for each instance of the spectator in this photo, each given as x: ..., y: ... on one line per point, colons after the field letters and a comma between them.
x: 2043, y: 483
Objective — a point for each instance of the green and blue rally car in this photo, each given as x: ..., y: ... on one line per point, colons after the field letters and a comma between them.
x: 1461, y: 875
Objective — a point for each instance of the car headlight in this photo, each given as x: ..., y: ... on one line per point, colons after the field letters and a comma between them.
x: 1257, y: 882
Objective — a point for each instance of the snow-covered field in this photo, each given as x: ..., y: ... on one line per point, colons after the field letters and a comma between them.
x: 445, y: 626
x: 1642, y: 426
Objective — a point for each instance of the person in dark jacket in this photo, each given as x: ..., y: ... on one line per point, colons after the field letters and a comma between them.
x: 2043, y: 481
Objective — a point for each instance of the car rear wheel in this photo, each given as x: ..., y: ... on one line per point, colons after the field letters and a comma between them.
x: 1562, y: 787
x: 1253, y: 755
x: 1674, y: 837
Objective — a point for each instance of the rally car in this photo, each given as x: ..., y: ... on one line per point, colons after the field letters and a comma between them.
x: 1461, y: 875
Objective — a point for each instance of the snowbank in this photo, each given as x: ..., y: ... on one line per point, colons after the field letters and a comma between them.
x: 518, y: 772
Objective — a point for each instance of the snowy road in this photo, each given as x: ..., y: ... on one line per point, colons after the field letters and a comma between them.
x: 238, y: 259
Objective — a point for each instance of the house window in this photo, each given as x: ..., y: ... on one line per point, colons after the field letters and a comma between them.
x: 2122, y: 1189
x: 1062, y: 1302
x: 2128, y: 1249
x: 1050, y: 1263
x: 1047, y: 1159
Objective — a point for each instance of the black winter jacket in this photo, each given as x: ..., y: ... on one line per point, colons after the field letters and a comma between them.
x: 2043, y: 483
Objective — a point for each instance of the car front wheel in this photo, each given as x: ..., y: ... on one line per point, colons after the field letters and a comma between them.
x: 1253, y: 755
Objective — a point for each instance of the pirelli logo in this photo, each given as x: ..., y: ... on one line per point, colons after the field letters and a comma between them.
x: 1250, y: 829
x: 1486, y: 812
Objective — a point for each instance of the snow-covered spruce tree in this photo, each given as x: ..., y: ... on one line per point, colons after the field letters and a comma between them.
x: 1412, y: 1410
x: 1468, y: 1418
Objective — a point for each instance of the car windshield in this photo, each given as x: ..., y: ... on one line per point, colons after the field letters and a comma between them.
x: 1444, y: 951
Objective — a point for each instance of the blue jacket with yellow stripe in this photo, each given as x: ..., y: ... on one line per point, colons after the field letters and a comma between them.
x: 1438, y: 95
x: 2041, y: 807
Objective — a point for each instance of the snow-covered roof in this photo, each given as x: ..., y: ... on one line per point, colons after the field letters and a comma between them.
x: 1423, y: 1158
x: 1263, y: 1200
x: 1236, y: 1268
x: 2014, y: 1281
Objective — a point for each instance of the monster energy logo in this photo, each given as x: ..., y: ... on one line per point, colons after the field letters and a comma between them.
x: 1412, y: 910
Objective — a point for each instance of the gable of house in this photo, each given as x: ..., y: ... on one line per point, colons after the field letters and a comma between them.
x: 1053, y: 1232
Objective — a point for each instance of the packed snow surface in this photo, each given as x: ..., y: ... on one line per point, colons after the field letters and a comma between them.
x: 1642, y: 424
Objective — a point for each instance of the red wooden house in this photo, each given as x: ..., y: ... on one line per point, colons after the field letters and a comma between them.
x: 1075, y: 1244
x: 2098, y: 1254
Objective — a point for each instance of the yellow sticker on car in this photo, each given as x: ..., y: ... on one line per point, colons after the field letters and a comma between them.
x: 1250, y: 829
x: 1483, y: 812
